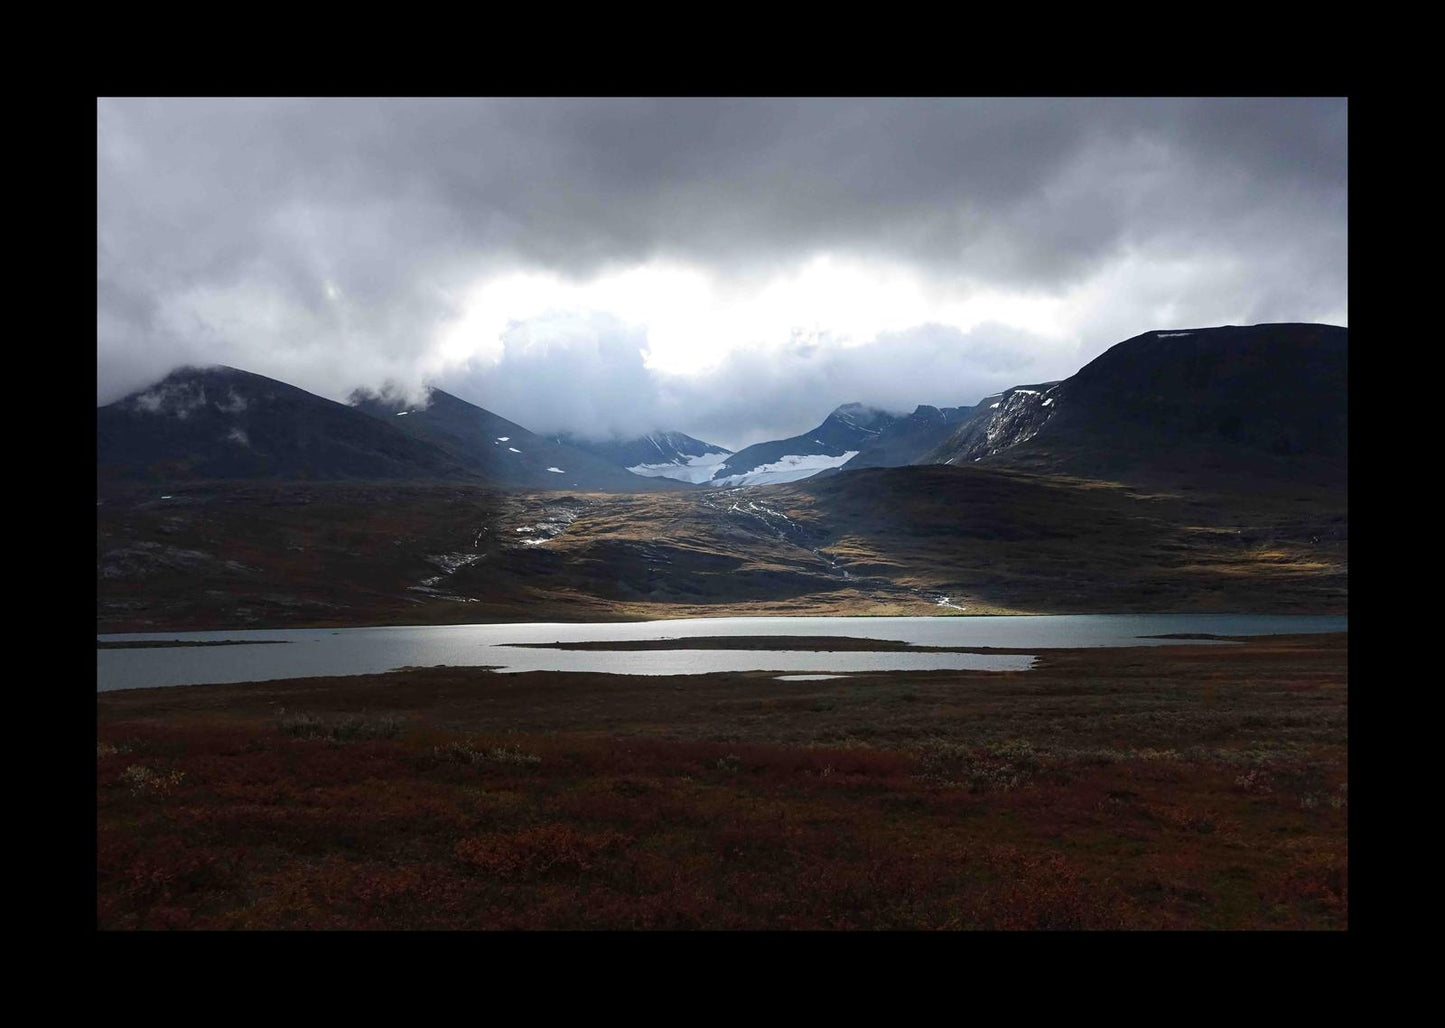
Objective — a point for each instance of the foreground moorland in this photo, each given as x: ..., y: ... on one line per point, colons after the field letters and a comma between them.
x: 1193, y: 786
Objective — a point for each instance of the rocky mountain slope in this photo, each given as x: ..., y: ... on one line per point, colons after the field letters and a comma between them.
x: 907, y: 440
x: 501, y: 451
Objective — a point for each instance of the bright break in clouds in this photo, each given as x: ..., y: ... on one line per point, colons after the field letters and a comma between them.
x: 733, y: 269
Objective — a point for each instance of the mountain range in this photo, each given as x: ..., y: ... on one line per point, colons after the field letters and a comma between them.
x: 498, y: 451
x: 1221, y: 398
x: 1192, y: 470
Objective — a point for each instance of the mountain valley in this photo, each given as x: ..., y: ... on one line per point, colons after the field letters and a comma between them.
x: 1183, y: 471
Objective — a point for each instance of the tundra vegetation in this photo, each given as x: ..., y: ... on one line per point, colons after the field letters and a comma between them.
x: 1175, y: 787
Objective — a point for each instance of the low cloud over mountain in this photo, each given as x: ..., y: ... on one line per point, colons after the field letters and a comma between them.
x: 611, y: 265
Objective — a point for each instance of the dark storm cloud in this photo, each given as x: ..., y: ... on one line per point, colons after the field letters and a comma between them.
x: 576, y: 185
x: 328, y: 241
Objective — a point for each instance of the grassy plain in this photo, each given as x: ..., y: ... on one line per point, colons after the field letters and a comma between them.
x: 1172, y: 787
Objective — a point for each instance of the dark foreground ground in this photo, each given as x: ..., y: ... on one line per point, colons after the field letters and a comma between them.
x: 1175, y: 787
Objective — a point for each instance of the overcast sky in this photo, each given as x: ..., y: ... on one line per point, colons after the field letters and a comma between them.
x: 732, y: 269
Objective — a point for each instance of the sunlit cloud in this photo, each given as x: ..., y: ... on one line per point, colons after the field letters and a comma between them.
x: 729, y: 266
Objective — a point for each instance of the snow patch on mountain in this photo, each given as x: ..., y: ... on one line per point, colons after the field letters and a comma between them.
x: 789, y: 468
x: 696, y: 469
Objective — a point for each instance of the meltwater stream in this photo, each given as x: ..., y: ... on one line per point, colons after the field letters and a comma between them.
x: 317, y: 652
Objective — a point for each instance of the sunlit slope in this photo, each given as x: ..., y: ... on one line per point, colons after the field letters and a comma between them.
x: 922, y: 540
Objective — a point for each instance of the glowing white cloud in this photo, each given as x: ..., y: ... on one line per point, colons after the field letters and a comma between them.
x: 721, y: 267
x: 694, y: 321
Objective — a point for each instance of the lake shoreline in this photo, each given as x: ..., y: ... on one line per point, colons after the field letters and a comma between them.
x: 812, y: 645
x: 770, y: 643
x: 736, y: 612
x: 150, y: 644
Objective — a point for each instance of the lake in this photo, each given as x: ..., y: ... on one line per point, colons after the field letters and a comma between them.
x: 315, y: 652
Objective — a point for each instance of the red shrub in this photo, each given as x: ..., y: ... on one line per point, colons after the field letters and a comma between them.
x: 534, y: 852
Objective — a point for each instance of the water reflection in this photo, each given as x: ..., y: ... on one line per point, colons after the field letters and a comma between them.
x: 354, y: 651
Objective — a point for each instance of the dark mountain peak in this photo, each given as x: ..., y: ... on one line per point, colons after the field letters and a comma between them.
x: 654, y: 454
x: 217, y: 372
x: 683, y: 443
x: 861, y: 416
x: 501, y: 450
x: 851, y: 425
x: 1226, y: 396
x: 1228, y: 352
x: 841, y: 436
x: 220, y: 422
x: 906, y: 440
x: 927, y: 414
x: 190, y: 389
x: 441, y: 399
x: 390, y: 400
